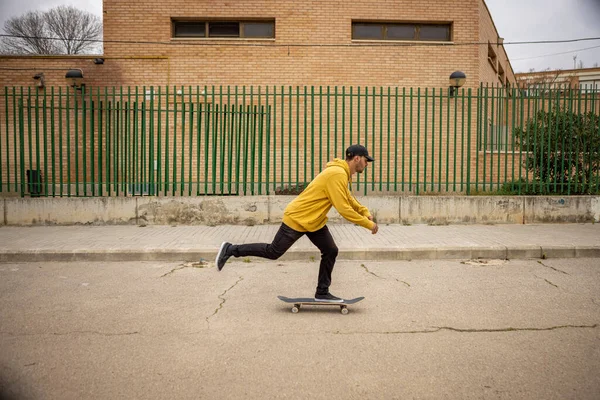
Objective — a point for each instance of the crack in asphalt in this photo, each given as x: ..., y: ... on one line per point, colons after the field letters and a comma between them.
x: 69, y: 333
x: 556, y: 269
x: 369, y: 272
x: 173, y: 270
x: 200, y: 264
x: 550, y: 283
x: 380, y: 277
x: 223, y: 300
x: 469, y: 330
x: 547, y: 281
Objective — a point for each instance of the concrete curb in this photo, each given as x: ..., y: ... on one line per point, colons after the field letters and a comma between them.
x: 425, y: 253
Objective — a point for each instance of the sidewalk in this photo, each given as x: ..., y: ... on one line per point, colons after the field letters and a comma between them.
x: 392, y: 242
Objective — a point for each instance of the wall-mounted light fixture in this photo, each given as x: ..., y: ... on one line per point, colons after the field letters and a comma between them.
x: 98, y: 60
x: 75, y: 76
x: 457, y: 79
x: 41, y: 81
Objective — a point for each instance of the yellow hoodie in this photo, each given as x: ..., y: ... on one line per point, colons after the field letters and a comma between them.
x: 308, y: 211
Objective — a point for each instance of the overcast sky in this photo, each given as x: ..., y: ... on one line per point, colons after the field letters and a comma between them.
x: 516, y: 21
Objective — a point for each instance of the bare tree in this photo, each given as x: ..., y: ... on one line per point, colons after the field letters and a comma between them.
x: 61, y: 30
x: 76, y: 29
x: 28, y: 35
x: 541, y: 79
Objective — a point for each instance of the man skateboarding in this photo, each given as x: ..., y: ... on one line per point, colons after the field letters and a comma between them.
x: 307, y: 215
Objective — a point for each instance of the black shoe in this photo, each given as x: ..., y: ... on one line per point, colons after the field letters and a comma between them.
x: 329, y: 298
x: 223, y: 255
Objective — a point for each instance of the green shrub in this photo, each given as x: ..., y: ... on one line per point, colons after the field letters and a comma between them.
x: 563, y: 153
x: 295, y: 189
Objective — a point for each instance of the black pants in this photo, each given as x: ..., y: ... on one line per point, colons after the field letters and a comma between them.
x: 284, y: 239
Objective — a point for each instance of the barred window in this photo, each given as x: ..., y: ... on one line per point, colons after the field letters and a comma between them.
x: 590, y: 86
x: 498, y: 138
x: 441, y: 32
x: 223, y: 29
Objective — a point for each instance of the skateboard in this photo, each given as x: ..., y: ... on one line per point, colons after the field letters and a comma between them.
x: 301, y: 301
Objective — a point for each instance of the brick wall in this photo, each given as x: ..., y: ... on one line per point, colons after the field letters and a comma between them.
x: 116, y: 71
x: 489, y: 71
x: 313, y: 43
x: 313, y: 46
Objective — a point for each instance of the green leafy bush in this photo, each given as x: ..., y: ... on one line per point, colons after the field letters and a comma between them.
x: 563, y: 153
x: 295, y: 189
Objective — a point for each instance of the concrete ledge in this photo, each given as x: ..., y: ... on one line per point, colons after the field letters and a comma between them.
x: 560, y: 209
x: 277, y: 205
x: 587, y: 252
x: 595, y: 206
x: 258, y: 210
x: 385, y: 210
x: 558, y: 252
x: 524, y: 252
x: 445, y: 210
x: 499, y: 252
x: 71, y: 211
x: 208, y: 210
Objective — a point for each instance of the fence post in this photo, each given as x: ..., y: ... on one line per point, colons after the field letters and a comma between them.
x: 21, y: 147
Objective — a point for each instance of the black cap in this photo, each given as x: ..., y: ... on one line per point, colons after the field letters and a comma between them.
x: 358, y: 150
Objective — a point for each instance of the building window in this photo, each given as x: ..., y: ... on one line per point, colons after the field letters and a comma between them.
x: 589, y: 86
x: 189, y: 29
x: 259, y: 29
x: 434, y: 32
x: 367, y: 31
x: 224, y: 29
x: 401, y: 31
x: 498, y: 138
x: 501, y: 75
x: 492, y: 58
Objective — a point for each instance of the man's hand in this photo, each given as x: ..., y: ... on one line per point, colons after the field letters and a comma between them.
x: 370, y: 217
x: 375, y: 229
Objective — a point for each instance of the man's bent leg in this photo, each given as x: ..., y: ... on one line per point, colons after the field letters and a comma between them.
x: 329, y: 251
x: 283, y: 240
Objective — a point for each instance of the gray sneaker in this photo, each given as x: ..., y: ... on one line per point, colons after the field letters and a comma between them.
x: 328, y: 298
x: 223, y: 255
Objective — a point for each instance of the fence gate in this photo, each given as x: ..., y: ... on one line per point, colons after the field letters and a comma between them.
x: 76, y: 147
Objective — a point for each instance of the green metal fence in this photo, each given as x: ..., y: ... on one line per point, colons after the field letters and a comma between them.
x: 189, y: 141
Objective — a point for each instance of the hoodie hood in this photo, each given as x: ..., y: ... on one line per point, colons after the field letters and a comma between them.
x: 339, y: 163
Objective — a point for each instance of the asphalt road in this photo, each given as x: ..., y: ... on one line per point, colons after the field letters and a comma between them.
x: 427, y: 330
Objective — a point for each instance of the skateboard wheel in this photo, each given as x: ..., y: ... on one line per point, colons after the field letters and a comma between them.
x: 344, y: 310
x: 295, y: 309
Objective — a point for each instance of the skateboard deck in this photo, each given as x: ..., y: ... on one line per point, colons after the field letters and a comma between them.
x: 298, y: 302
